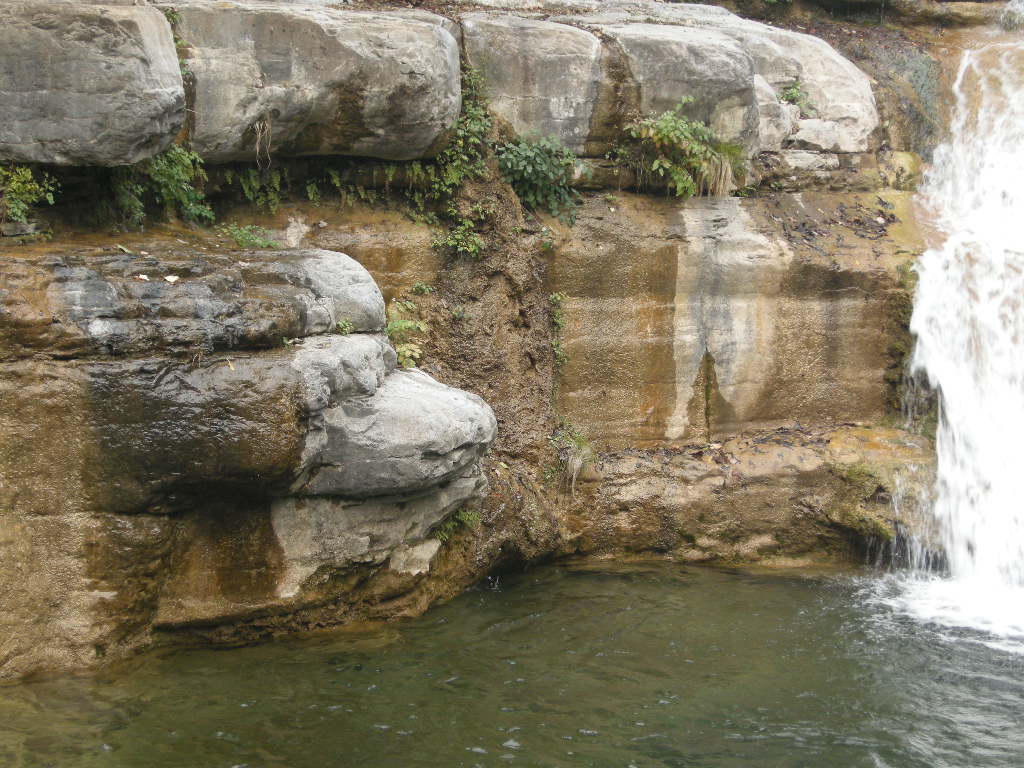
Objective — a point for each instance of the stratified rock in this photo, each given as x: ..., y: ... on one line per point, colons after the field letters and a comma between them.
x: 276, y: 79
x: 413, y: 433
x: 700, y: 320
x: 122, y: 303
x: 87, y: 83
x: 542, y: 78
x: 670, y: 63
x: 213, y: 472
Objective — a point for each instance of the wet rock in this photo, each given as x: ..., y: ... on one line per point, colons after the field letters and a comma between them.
x: 315, y: 80
x: 212, y: 483
x: 786, y: 496
x: 690, y: 321
x: 87, y: 83
x: 121, y: 303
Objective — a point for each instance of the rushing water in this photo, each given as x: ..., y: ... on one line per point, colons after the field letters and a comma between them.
x: 969, y: 322
x: 647, y: 665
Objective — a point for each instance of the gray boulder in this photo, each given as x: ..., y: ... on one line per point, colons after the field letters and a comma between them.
x: 87, y: 83
x: 324, y: 533
x: 412, y: 433
x: 292, y: 80
x: 670, y: 63
x: 652, y: 55
x: 542, y: 78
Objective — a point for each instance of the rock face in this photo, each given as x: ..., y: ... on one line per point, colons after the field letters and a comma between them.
x: 543, y: 78
x: 696, y: 321
x: 156, y: 429
x: 654, y: 54
x: 87, y: 83
x: 276, y: 79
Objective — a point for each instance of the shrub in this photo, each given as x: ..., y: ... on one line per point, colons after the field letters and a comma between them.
x: 464, y: 518
x: 403, y: 330
x: 795, y: 94
x: 541, y: 172
x: 248, y: 235
x: 574, y: 453
x: 345, y: 327
x: 682, y: 151
x: 20, y: 189
x: 171, y: 178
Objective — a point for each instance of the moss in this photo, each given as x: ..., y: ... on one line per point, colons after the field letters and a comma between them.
x: 856, y: 507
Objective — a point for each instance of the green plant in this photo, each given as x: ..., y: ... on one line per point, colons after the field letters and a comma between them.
x: 459, y: 313
x: 262, y: 188
x: 463, y: 518
x: 313, y: 191
x: 172, y: 179
x: 248, y: 235
x: 436, y: 182
x: 20, y: 189
x: 682, y: 151
x: 345, y: 327
x: 462, y: 240
x: 541, y: 172
x: 795, y: 94
x: 574, y: 453
x: 557, y: 300
x: 403, y: 332
x: 560, y: 355
x: 422, y: 289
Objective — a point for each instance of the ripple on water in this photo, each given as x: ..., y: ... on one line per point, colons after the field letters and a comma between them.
x: 654, y: 666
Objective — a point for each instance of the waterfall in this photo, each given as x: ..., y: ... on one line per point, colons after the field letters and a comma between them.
x: 969, y: 322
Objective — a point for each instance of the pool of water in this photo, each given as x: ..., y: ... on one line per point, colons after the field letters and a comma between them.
x: 651, y: 664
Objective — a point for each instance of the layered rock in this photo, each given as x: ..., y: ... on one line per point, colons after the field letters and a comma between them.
x: 781, y: 496
x: 157, y: 427
x: 696, y: 321
x: 87, y: 83
x: 654, y: 54
x: 281, y: 79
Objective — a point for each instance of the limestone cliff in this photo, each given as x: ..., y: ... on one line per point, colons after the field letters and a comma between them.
x: 208, y: 440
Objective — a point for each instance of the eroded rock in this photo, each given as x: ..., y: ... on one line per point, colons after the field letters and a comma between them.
x: 87, y: 83
x: 277, y: 79
x: 207, y: 476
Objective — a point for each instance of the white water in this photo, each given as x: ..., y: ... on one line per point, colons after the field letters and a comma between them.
x: 969, y: 322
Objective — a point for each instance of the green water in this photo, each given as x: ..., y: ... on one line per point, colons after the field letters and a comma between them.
x: 642, y: 665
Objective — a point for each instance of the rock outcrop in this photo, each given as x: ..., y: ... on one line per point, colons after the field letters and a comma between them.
x: 87, y: 83
x: 654, y: 54
x: 184, y: 404
x: 282, y: 79
x: 218, y: 445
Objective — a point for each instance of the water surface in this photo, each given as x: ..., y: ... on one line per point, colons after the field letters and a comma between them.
x: 627, y: 665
